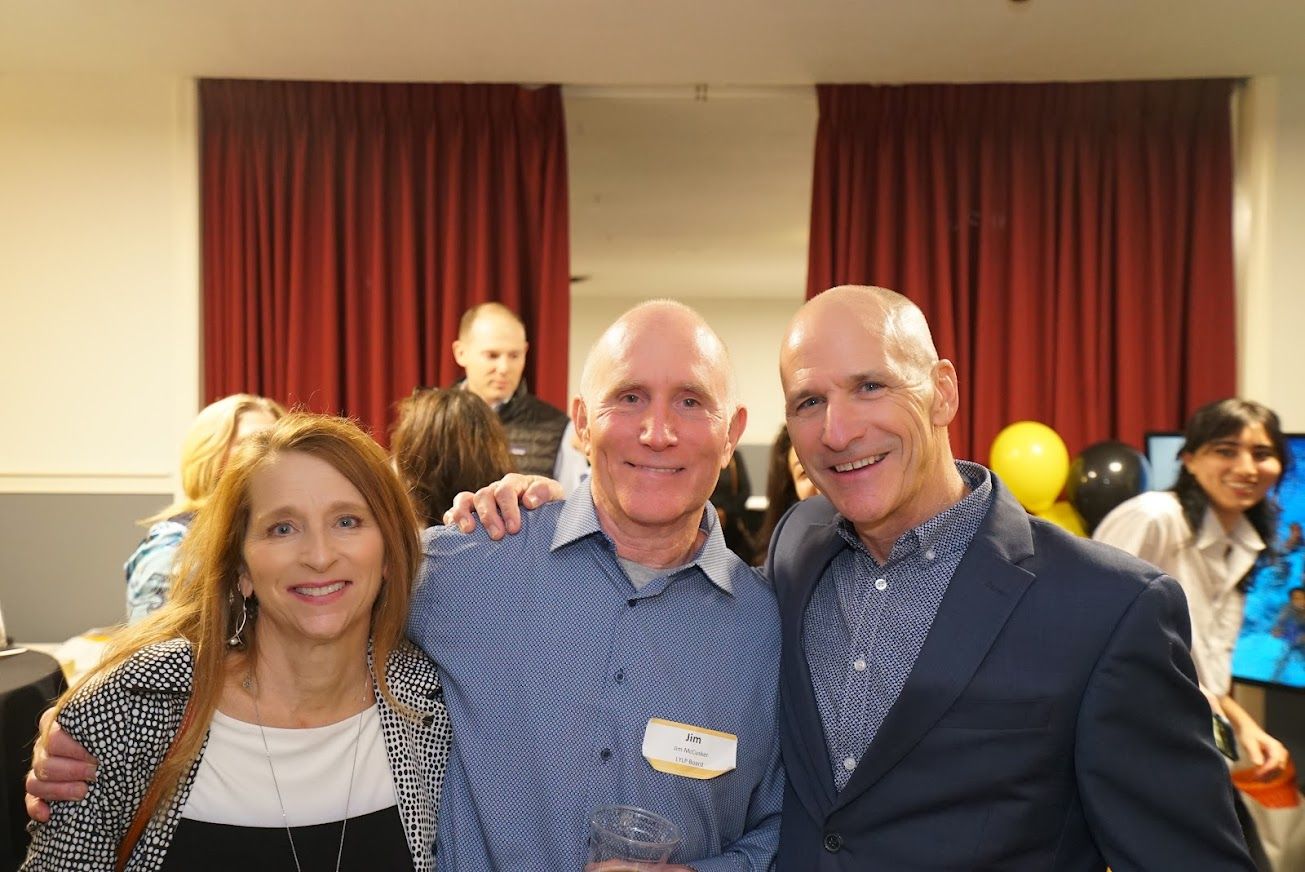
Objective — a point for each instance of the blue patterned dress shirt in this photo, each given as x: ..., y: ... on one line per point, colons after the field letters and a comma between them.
x: 866, y: 621
x: 553, y: 663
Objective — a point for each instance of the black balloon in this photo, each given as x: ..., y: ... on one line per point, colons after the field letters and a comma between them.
x: 1103, y: 476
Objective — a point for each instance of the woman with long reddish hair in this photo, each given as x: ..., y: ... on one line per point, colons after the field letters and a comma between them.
x: 271, y: 715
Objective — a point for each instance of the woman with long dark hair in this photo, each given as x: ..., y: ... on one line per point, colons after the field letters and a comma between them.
x: 1208, y: 532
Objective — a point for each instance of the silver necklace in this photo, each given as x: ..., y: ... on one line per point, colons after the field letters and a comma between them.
x: 248, y: 684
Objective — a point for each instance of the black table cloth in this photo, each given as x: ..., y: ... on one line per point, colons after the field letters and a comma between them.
x: 29, y: 682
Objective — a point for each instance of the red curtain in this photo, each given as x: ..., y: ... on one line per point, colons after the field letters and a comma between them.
x: 347, y: 226
x: 1070, y: 244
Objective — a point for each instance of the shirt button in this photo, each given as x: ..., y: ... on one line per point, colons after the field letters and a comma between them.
x: 833, y: 842
x: 881, y: 584
x: 859, y: 664
x: 849, y: 763
x: 929, y: 555
x: 605, y: 754
x: 619, y: 676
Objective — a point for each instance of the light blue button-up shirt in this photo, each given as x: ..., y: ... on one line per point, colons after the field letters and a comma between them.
x: 553, y: 663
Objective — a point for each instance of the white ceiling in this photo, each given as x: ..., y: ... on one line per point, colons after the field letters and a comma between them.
x: 669, y: 195
x: 657, y: 41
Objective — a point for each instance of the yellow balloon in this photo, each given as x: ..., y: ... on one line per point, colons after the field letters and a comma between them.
x: 1030, y: 459
x: 1062, y: 514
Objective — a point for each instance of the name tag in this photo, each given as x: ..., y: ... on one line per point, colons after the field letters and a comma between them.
x: 694, y: 752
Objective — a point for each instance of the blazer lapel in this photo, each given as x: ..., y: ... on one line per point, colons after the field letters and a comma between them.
x: 805, y: 752
x: 983, y: 592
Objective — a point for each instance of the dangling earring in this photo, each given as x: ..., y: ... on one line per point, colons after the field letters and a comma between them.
x: 235, y: 640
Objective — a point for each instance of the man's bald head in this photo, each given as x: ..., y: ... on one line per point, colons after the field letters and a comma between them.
x: 491, y: 311
x: 658, y: 417
x: 881, y: 312
x: 868, y: 403
x: 673, y: 321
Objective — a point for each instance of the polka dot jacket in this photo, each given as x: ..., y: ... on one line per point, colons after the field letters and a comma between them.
x: 128, y: 717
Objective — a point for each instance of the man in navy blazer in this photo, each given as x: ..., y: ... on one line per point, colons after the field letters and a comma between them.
x: 965, y: 687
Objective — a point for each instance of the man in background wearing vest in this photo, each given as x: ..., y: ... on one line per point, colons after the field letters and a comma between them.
x: 491, y: 347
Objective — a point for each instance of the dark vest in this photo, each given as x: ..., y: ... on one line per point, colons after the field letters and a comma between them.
x: 534, y: 430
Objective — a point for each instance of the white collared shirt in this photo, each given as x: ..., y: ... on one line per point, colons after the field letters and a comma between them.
x: 1208, y: 566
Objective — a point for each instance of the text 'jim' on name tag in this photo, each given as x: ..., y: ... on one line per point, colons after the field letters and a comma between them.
x: 694, y: 752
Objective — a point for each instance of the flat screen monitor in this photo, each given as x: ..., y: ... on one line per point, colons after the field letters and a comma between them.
x: 1162, y: 454
x: 1271, y: 647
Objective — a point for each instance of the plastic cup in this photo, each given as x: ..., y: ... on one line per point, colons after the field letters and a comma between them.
x: 634, y: 835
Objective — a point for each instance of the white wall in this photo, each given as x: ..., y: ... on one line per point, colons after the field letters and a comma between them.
x: 750, y: 329
x: 1271, y: 167
x: 99, y: 283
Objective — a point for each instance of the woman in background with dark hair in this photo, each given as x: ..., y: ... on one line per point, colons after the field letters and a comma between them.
x: 786, y: 485
x: 1208, y: 532
x: 446, y: 441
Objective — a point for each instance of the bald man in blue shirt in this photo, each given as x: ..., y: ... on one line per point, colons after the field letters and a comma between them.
x: 585, y: 659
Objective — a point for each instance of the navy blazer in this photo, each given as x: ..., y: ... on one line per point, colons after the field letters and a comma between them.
x: 1051, y: 722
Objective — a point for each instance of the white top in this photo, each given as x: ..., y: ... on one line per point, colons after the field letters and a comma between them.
x: 234, y: 785
x: 1207, y: 565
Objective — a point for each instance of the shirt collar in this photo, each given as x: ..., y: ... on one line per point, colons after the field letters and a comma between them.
x: 1242, y: 535
x: 948, y: 531
x: 579, y: 520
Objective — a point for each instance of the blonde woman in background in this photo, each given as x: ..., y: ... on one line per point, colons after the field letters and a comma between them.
x: 217, y: 429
